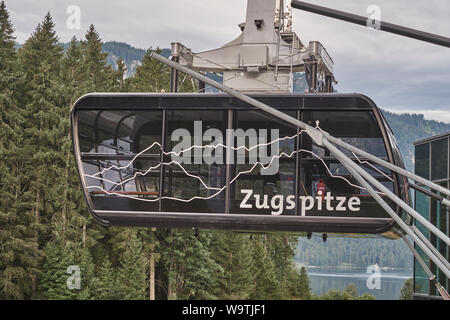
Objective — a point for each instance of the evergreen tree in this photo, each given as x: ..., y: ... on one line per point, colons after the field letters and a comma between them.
x: 89, y: 282
x: 121, y: 83
x: 304, y: 286
x: 201, y: 269
x: 74, y: 73
x: 188, y: 264
x: 107, y: 282
x: 100, y: 73
x: 41, y: 97
x: 40, y: 59
x: 151, y: 75
x: 406, y: 292
x: 281, y: 250
x: 265, y: 281
x: 19, y: 254
x: 233, y: 253
x: 132, y: 272
x: 54, y: 277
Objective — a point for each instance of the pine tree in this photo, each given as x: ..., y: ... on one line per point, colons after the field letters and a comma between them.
x: 19, y: 254
x: 281, y: 251
x: 120, y: 74
x: 132, y: 272
x: 265, y: 280
x: 73, y: 219
x: 188, y: 265
x: 233, y: 253
x: 107, y: 282
x: 41, y: 97
x: 151, y: 75
x: 304, y: 286
x: 74, y: 73
x: 100, y: 73
x: 201, y: 269
x: 55, y: 276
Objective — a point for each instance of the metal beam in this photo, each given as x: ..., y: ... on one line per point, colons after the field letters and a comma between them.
x: 413, y: 213
x: 361, y: 20
x: 352, y: 168
x: 312, y: 131
x: 419, y: 259
x: 321, y: 139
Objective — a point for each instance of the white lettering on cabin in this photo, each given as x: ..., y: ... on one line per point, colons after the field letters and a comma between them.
x: 278, y: 202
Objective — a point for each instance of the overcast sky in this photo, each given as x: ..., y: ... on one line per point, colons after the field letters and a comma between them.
x: 399, y: 74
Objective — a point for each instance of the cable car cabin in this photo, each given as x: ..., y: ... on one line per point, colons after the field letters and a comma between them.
x: 212, y: 161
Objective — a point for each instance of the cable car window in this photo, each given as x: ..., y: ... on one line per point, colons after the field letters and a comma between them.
x: 117, y: 167
x: 194, y: 180
x: 86, y: 132
x: 323, y: 173
x: 265, y: 169
x: 439, y: 156
x: 422, y: 160
x: 358, y: 128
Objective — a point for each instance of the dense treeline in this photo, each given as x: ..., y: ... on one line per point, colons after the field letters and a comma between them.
x: 44, y: 224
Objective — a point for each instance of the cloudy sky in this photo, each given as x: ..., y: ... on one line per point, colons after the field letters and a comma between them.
x: 399, y: 74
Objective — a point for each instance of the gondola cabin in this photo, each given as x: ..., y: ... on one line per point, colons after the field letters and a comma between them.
x: 211, y: 161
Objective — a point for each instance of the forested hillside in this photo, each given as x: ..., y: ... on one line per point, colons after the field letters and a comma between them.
x: 44, y: 225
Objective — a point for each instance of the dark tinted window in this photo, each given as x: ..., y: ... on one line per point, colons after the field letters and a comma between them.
x: 266, y: 171
x: 194, y: 180
x: 120, y: 152
x: 439, y: 155
x: 422, y: 160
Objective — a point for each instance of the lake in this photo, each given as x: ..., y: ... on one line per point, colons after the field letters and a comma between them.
x: 325, y: 278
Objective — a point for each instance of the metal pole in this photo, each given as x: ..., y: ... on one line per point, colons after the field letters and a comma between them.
x: 419, y: 259
x: 384, y: 26
x: 432, y: 248
x: 390, y: 166
x: 310, y: 130
x: 174, y: 76
x: 314, y: 133
x: 350, y: 166
x: 393, y: 197
x: 321, y: 138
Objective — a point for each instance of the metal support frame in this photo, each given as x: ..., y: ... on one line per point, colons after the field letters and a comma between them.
x: 356, y: 171
x: 363, y: 177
